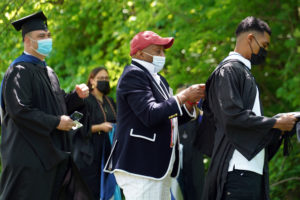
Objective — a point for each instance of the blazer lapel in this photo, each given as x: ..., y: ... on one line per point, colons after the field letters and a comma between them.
x: 161, y: 88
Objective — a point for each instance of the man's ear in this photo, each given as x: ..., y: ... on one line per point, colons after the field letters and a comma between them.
x: 26, y: 40
x: 250, y: 37
x: 139, y: 54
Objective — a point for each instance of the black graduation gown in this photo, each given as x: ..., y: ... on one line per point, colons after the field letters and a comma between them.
x: 88, y: 148
x: 35, y: 155
x: 231, y: 92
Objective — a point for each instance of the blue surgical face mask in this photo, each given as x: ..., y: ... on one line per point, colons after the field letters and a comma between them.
x: 158, y: 62
x: 44, y: 46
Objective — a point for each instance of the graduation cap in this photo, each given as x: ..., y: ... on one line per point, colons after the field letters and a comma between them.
x: 33, y: 22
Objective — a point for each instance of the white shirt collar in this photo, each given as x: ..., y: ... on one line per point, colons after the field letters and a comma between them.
x: 27, y: 53
x: 236, y: 55
x: 147, y: 65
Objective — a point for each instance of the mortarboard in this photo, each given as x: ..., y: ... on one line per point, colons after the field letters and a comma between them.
x: 36, y: 21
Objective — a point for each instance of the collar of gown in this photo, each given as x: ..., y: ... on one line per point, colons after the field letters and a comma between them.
x: 236, y: 55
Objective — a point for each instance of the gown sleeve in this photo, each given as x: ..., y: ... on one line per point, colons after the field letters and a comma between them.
x: 73, y: 101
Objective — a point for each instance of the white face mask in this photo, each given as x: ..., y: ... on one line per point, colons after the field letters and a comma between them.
x: 158, y: 62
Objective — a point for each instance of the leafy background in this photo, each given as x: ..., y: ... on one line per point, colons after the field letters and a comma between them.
x: 90, y: 33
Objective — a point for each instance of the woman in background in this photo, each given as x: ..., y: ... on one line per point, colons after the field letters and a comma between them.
x: 91, y: 142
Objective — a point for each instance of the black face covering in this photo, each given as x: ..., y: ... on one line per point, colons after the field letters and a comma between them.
x: 103, y: 86
x: 260, y: 57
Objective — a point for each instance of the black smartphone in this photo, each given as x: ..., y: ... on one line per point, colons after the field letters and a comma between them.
x: 76, y: 116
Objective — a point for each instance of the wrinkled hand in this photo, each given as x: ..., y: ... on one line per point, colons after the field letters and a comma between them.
x: 285, y: 122
x: 106, y: 127
x: 65, y: 124
x: 193, y: 93
x: 82, y: 90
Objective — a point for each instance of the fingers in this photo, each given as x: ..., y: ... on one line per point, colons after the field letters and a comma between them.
x: 82, y: 90
x: 291, y: 122
x: 202, y: 85
x: 197, y: 92
x: 286, y: 122
x: 66, y: 123
x: 109, y: 125
x: 106, y: 127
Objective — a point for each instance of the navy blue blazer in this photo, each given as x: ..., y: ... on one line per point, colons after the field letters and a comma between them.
x: 142, y: 142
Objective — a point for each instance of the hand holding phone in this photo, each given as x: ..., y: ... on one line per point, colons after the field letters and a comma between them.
x: 76, y: 116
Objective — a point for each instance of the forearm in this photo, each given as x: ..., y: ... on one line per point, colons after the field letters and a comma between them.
x: 96, y: 128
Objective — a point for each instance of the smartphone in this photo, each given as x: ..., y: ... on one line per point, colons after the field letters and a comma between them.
x: 76, y: 116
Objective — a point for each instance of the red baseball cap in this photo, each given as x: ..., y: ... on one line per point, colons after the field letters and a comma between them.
x: 143, y: 39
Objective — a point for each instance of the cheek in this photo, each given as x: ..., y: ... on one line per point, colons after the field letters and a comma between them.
x: 147, y: 58
x: 151, y: 59
x: 92, y: 82
x: 34, y: 44
x: 255, y: 47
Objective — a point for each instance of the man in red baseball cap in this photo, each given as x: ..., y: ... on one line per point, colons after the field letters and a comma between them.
x: 145, y: 152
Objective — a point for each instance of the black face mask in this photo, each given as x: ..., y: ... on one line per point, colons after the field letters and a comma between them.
x: 103, y: 86
x: 260, y: 57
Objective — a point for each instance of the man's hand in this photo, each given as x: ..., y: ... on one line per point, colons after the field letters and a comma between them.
x: 285, y: 122
x: 192, y: 94
x: 65, y: 124
x: 82, y: 90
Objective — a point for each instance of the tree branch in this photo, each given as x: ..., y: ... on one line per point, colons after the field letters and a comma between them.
x: 286, y: 180
x: 16, y: 13
x: 58, y: 2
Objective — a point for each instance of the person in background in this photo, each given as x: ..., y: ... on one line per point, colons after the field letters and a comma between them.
x: 191, y: 176
x: 35, y: 148
x: 91, y: 144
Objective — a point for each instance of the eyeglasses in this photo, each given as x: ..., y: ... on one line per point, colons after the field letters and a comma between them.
x: 103, y: 78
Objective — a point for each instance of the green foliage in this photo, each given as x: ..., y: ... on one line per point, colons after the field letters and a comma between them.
x: 284, y: 176
x: 89, y: 33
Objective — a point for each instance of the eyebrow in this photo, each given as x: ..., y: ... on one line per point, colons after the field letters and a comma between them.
x: 41, y: 34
